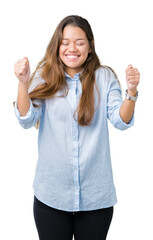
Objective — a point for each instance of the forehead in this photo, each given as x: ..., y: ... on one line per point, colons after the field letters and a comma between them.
x: 73, y: 32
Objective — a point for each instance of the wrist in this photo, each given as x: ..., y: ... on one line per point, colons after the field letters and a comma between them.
x: 132, y: 92
x: 23, y: 84
x: 131, y: 95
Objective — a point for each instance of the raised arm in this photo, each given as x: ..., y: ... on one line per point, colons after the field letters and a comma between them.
x: 22, y: 71
x: 127, y: 108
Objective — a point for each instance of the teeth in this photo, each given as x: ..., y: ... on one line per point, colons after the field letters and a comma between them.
x: 72, y: 56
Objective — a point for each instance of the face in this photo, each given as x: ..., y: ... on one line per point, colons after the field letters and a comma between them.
x: 74, y: 49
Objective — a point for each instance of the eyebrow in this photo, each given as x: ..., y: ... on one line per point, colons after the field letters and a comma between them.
x: 76, y: 39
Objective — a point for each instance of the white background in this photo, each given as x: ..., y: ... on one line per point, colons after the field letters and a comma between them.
x: 123, y: 35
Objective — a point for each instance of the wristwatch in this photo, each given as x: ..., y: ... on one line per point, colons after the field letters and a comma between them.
x: 132, y: 98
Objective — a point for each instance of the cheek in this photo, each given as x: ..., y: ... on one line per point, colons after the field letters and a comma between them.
x: 85, y: 53
x: 61, y: 51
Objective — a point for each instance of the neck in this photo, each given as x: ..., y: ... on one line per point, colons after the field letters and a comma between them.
x: 72, y: 72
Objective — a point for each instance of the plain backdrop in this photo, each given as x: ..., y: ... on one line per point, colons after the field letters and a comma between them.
x: 123, y: 35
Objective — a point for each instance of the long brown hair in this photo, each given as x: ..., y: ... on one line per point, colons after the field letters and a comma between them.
x: 53, y: 71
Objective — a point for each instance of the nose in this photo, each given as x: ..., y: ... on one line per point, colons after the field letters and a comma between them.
x: 72, y: 48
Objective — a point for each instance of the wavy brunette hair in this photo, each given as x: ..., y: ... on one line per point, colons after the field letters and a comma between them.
x: 52, y: 71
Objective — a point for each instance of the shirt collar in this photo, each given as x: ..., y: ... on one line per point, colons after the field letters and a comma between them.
x: 75, y: 77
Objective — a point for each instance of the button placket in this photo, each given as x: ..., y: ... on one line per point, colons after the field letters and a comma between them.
x: 75, y: 138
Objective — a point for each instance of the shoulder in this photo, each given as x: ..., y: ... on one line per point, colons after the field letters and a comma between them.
x: 105, y: 75
x: 105, y: 71
x: 106, y: 78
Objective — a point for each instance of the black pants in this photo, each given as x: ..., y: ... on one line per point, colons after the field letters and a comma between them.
x: 54, y: 224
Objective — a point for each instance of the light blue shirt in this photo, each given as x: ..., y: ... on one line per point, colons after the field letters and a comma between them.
x: 74, y: 171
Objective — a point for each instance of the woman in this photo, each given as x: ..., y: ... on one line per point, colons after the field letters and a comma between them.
x: 71, y: 95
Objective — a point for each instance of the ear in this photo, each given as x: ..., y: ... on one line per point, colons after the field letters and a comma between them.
x: 91, y: 46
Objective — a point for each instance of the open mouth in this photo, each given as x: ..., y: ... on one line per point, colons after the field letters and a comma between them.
x: 72, y: 56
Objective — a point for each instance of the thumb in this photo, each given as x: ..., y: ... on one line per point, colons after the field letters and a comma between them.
x: 25, y: 58
x: 130, y: 66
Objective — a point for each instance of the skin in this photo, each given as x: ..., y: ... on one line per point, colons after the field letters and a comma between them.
x: 73, y: 52
x: 74, y: 49
x: 132, y: 79
x: 22, y: 72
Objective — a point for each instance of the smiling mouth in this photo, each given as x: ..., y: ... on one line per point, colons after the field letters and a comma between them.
x: 72, y: 57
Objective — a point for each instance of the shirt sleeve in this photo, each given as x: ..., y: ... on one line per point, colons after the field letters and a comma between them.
x: 114, y: 102
x: 34, y: 113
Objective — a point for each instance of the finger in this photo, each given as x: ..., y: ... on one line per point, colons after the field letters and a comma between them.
x: 23, y: 60
x: 22, y: 63
x: 133, y: 70
x: 132, y: 77
x: 21, y: 69
x: 19, y: 73
x: 132, y: 73
x: 133, y: 80
x: 136, y: 70
x: 134, y: 83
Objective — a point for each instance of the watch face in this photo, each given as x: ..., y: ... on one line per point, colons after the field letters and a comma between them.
x: 131, y: 97
x: 128, y: 97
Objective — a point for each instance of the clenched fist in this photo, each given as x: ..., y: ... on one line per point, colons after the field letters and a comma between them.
x: 132, y: 78
x: 22, y: 70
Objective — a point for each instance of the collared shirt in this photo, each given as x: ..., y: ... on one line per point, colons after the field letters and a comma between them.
x: 74, y: 171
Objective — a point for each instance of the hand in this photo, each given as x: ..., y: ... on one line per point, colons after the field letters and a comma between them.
x: 132, y: 78
x: 22, y: 70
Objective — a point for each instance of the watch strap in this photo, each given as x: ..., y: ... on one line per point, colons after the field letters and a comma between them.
x: 132, y: 98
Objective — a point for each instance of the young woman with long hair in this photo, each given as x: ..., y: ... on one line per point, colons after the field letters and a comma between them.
x: 69, y: 97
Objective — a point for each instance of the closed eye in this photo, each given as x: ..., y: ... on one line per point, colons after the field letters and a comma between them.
x: 80, y: 44
x: 65, y: 43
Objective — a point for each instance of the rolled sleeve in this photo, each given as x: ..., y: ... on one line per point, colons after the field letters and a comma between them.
x: 114, y: 102
x: 32, y: 116
x: 119, y: 123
